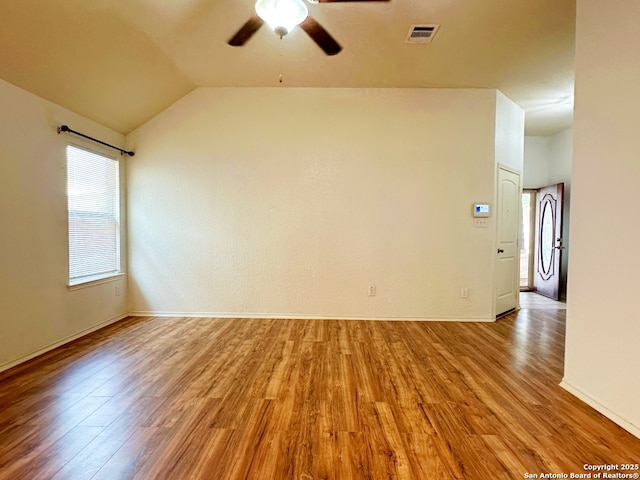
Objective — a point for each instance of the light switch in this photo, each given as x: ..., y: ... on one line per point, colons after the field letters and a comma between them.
x: 480, y: 222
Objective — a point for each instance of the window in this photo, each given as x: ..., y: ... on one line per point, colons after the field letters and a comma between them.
x: 94, y: 215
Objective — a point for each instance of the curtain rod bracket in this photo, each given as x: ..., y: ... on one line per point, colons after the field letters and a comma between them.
x: 65, y: 128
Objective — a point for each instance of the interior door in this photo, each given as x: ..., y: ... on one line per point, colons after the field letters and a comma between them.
x: 508, y: 234
x: 548, y: 241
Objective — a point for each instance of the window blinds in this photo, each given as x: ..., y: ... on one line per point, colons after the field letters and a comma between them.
x: 94, y: 206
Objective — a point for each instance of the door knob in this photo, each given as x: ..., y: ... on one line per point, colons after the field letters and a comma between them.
x: 500, y: 250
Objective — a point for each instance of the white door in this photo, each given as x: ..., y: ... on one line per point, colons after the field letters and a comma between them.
x: 508, y: 232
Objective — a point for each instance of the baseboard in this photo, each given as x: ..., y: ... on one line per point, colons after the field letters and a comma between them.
x: 26, y: 358
x: 628, y: 426
x: 284, y: 316
x: 289, y: 316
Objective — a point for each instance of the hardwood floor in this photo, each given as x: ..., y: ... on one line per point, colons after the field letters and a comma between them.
x: 157, y: 398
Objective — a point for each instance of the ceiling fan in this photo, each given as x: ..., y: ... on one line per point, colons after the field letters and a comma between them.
x: 283, y: 15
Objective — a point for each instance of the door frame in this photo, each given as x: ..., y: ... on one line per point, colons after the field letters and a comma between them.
x: 516, y: 274
x: 532, y: 236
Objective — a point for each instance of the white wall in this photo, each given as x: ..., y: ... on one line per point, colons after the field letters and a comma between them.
x: 509, y: 134
x: 536, y: 162
x: 509, y: 140
x: 602, y: 361
x: 292, y: 202
x: 38, y: 311
x: 561, y: 157
x: 547, y: 160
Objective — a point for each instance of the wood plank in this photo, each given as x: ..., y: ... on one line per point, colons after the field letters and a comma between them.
x: 274, y: 399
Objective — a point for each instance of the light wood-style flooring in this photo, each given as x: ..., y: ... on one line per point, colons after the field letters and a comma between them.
x: 181, y: 398
x: 538, y: 302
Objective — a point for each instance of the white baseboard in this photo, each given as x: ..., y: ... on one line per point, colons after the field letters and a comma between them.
x: 284, y: 316
x: 25, y: 358
x: 628, y: 426
x: 289, y: 316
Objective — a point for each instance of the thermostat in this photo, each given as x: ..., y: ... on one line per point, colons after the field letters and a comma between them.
x: 481, y: 210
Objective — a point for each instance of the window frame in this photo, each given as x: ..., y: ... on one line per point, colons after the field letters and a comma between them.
x: 97, y: 279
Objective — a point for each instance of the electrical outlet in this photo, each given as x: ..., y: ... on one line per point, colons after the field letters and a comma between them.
x: 117, y: 290
x: 464, y: 292
x: 372, y: 291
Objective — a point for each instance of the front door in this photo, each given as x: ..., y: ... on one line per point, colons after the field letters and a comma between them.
x: 508, y: 233
x: 548, y: 241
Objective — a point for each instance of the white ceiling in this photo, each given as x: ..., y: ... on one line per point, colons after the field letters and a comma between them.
x: 122, y: 62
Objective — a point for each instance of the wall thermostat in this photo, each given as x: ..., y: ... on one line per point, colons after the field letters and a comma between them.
x: 481, y: 210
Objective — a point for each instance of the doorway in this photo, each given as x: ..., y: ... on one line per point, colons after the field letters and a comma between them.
x: 541, y: 247
x: 527, y: 227
x: 508, y: 235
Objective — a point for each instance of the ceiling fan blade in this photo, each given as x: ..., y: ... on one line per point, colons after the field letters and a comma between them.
x: 319, y: 35
x: 246, y: 31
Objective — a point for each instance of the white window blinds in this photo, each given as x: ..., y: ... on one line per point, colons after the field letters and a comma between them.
x: 94, y: 207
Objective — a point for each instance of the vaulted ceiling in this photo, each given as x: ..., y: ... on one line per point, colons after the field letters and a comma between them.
x: 122, y: 62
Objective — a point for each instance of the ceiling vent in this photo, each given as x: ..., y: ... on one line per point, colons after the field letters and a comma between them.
x: 421, y: 33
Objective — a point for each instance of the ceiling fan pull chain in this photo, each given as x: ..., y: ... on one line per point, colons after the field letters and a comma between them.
x: 280, y: 78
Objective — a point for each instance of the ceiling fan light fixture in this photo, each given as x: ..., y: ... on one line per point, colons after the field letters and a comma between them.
x: 282, y: 15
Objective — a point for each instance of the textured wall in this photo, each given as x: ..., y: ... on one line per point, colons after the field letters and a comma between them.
x: 536, y: 162
x: 292, y: 202
x: 509, y: 134
x: 602, y: 357
x: 38, y: 310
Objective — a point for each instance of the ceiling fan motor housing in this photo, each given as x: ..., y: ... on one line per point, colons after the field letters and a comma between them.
x: 282, y: 15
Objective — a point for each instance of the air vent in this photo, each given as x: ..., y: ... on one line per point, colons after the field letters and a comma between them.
x: 421, y: 33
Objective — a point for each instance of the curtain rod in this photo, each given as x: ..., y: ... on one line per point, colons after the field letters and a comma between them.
x: 65, y: 128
